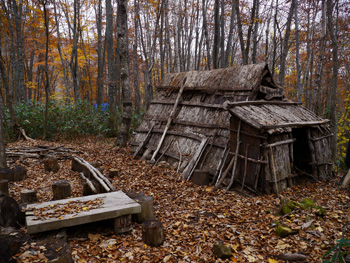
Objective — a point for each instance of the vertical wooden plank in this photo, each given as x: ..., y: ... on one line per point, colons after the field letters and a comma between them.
x: 195, y: 159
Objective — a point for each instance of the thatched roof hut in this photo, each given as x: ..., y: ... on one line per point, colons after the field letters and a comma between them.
x: 191, y: 123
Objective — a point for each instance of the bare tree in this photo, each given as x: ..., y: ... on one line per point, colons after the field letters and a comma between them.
x: 297, y: 46
x: 2, y: 141
x: 122, y: 31
x: 46, y: 69
x: 333, y: 100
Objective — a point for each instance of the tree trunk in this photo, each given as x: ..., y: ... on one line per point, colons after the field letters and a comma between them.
x: 216, y: 45
x: 206, y: 34
x: 230, y: 36
x: 111, y: 70
x: 333, y: 100
x: 255, y: 33
x: 60, y: 52
x: 135, y: 60
x: 2, y: 141
x: 297, y: 46
x: 46, y: 71
x: 122, y: 30
x: 100, y: 93
x: 285, y: 46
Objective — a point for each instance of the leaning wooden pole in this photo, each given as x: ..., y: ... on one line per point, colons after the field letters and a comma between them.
x: 172, y: 114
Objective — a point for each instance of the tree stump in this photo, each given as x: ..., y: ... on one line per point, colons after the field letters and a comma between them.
x: 4, y: 186
x: 14, y: 174
x: 146, y: 213
x: 61, y: 190
x: 51, y: 165
x: 113, y: 173
x: 152, y: 233
x: 11, y: 241
x: 77, y: 167
x: 201, y: 177
x: 10, y: 212
x: 122, y: 224
x: 28, y: 196
x: 88, y: 191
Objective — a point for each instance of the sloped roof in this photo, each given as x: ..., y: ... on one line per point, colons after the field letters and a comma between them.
x: 242, y: 78
x: 271, y: 115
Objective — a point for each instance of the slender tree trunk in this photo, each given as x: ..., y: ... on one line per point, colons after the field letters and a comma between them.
x: 60, y: 52
x: 255, y: 33
x: 297, y: 46
x: 135, y: 60
x: 74, y: 55
x: 100, y: 91
x: 230, y: 36
x: 111, y: 70
x: 285, y: 46
x: 124, y: 73
x: 216, y: 45
x: 206, y: 34
x: 320, y: 64
x: 333, y: 100
x: 3, y: 163
x: 46, y: 71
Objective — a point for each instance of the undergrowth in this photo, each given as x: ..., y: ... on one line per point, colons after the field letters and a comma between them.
x: 66, y: 121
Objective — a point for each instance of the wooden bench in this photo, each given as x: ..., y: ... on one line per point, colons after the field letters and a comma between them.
x: 81, y: 210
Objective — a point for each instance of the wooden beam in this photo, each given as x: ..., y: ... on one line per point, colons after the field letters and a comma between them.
x: 229, y: 105
x: 278, y: 143
x: 195, y: 159
x: 144, y: 142
x: 295, y: 124
x: 249, y: 159
x: 189, y: 103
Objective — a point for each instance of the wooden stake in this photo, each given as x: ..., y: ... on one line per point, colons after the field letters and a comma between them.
x: 274, y: 171
x: 245, y: 166
x: 236, y: 155
x: 194, y: 161
x: 221, y: 164
x: 172, y: 114
x: 145, y: 141
x: 92, y: 187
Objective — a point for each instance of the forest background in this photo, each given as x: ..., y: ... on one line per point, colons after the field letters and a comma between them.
x: 71, y: 67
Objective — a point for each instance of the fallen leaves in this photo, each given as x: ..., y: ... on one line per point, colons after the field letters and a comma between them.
x: 195, y: 217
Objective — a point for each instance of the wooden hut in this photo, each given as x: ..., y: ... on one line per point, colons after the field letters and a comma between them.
x: 191, y: 124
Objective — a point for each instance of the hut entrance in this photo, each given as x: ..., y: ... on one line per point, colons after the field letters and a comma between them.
x: 301, y: 151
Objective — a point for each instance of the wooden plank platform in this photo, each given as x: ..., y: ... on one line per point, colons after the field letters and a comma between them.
x: 80, y: 210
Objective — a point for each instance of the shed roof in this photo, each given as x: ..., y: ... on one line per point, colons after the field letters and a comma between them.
x: 271, y: 115
x: 236, y: 78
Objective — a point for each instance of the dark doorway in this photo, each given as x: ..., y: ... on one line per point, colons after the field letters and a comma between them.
x: 301, y: 151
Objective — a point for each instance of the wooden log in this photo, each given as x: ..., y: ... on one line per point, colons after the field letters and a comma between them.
x: 113, y: 173
x: 11, y: 241
x: 145, y: 141
x: 146, y: 213
x: 77, y: 166
x: 152, y: 233
x: 201, y: 177
x: 274, y: 171
x: 51, y: 165
x: 61, y: 189
x: 221, y: 164
x: 4, y: 187
x: 223, y: 176
x: 245, y: 166
x: 93, y: 172
x: 17, y: 173
x: 172, y: 115
x: 29, y: 196
x: 122, y: 224
x: 90, y: 187
x: 238, y: 142
x: 196, y: 157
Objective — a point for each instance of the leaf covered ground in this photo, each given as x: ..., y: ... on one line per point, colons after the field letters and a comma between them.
x: 194, y: 217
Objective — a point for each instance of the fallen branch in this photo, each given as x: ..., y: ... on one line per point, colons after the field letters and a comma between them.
x: 92, y: 171
x: 25, y: 135
x: 92, y: 187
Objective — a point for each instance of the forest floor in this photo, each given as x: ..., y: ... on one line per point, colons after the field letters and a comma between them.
x: 194, y: 217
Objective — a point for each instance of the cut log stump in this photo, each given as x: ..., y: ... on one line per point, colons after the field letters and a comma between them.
x: 76, y: 166
x: 10, y: 212
x: 11, y: 241
x: 88, y: 191
x: 201, y: 177
x: 51, y: 165
x: 153, y: 233
x: 113, y: 173
x: 14, y: 174
x: 28, y: 196
x: 122, y: 224
x: 61, y: 189
x: 146, y: 214
x: 4, y: 186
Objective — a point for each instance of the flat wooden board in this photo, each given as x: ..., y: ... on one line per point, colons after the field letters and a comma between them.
x: 80, y: 210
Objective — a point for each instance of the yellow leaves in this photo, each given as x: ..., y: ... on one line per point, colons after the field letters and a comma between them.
x: 272, y: 260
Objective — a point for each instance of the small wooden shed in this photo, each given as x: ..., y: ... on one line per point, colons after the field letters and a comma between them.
x: 276, y: 141
x: 191, y: 122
